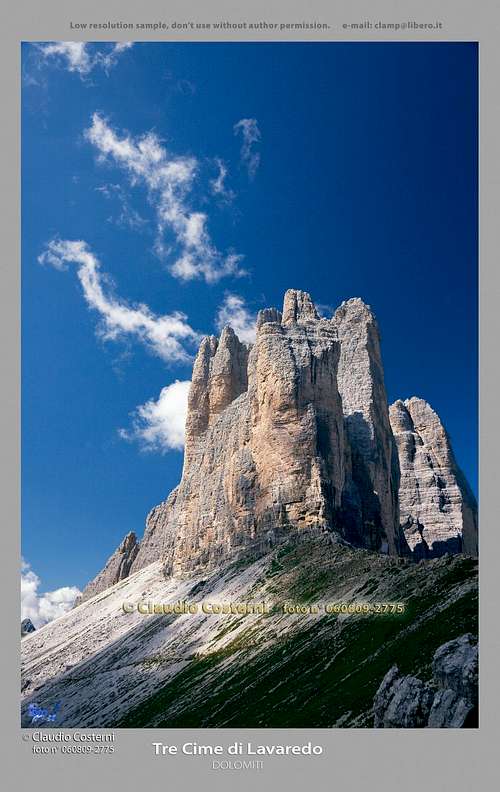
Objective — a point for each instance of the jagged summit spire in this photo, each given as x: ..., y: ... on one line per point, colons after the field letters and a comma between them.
x: 354, y: 309
x: 268, y: 315
x: 417, y: 400
x: 219, y: 377
x: 298, y: 307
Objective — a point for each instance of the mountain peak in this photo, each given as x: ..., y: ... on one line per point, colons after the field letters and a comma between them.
x: 298, y: 307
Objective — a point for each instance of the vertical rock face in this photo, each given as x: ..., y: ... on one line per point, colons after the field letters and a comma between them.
x: 117, y: 568
x: 199, y: 509
x: 371, y: 494
x: 438, y: 511
x: 297, y: 433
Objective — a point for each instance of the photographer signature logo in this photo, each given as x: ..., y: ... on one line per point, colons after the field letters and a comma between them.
x: 40, y: 714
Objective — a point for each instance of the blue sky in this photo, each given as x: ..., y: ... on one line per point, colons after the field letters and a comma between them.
x: 209, y: 178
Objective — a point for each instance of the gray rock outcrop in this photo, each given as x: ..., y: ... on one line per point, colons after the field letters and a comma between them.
x: 402, y: 702
x: 455, y: 667
x: 27, y: 627
x: 450, y: 701
x: 438, y: 511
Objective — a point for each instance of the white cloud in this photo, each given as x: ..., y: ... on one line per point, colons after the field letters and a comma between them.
x: 42, y: 608
x: 234, y: 312
x: 169, y: 180
x: 218, y: 185
x: 77, y: 56
x: 73, y: 53
x: 160, y: 425
x: 121, y: 46
x: 163, y: 335
x: 251, y: 135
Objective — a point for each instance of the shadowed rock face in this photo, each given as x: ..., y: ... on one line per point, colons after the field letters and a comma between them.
x: 438, y: 511
x: 371, y: 494
x: 290, y: 435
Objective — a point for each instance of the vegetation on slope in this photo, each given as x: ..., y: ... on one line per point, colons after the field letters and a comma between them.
x: 322, y: 670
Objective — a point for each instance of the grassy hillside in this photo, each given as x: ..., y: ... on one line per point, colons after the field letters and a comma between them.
x: 319, y: 670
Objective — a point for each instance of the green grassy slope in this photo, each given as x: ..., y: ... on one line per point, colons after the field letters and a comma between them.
x: 323, y: 670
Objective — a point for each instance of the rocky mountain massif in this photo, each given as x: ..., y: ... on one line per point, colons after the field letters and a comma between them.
x: 295, y: 432
x: 299, y: 485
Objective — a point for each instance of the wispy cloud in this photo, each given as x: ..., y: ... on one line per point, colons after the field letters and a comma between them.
x: 185, y: 87
x: 165, y: 336
x: 128, y: 217
x: 250, y: 132
x: 180, y: 85
x: 160, y: 425
x: 81, y: 57
x: 169, y: 180
x: 234, y: 312
x: 43, y: 608
x: 218, y: 185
